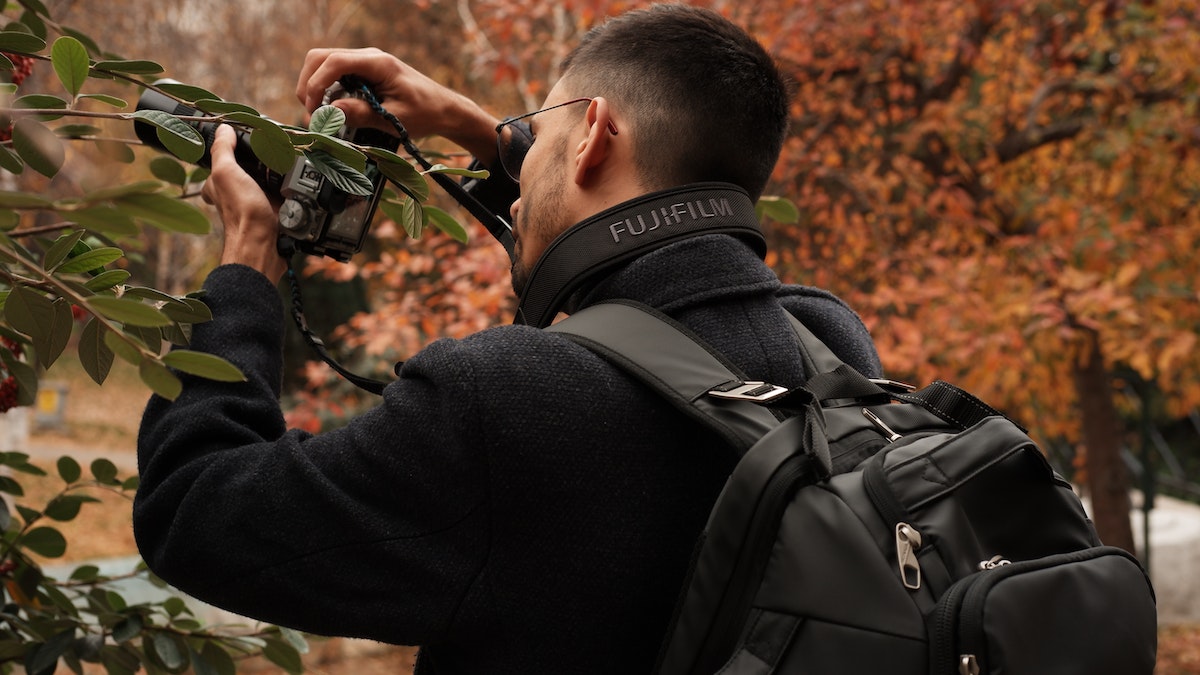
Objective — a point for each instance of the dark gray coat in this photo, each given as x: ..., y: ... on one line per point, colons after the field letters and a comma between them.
x: 514, y: 504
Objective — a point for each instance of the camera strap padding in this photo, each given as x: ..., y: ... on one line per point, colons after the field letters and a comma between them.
x: 616, y: 236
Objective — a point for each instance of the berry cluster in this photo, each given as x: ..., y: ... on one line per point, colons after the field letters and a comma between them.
x: 22, y: 67
x: 8, y: 386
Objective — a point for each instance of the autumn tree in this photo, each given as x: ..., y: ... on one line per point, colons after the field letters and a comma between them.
x: 1007, y: 191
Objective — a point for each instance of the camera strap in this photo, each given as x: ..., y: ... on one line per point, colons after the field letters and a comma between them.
x: 497, y: 226
x: 287, y: 250
x: 597, y: 245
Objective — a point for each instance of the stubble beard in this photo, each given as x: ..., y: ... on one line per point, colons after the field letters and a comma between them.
x: 539, y: 216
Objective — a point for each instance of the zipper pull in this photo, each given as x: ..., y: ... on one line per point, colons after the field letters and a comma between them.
x: 888, y: 432
x: 968, y: 665
x: 908, y: 540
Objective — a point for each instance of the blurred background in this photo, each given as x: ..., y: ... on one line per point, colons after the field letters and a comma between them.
x: 1007, y: 191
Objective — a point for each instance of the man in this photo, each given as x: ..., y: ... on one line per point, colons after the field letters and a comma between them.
x: 514, y: 504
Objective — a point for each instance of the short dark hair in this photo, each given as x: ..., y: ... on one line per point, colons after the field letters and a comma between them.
x: 707, y: 100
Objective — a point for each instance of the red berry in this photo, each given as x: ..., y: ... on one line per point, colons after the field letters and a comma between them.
x: 22, y: 67
x: 8, y: 386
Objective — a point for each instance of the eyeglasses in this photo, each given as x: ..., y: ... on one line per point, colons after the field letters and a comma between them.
x: 514, y: 145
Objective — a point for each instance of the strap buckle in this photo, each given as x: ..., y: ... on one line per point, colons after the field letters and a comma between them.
x: 755, y: 391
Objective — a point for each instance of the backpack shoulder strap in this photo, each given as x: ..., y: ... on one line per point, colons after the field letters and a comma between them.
x: 666, y: 356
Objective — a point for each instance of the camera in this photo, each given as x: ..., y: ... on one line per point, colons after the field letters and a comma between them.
x: 322, y: 218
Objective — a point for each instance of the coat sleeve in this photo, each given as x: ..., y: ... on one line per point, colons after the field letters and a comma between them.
x: 373, y: 530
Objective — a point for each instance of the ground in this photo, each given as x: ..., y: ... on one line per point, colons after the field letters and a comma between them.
x: 102, y: 421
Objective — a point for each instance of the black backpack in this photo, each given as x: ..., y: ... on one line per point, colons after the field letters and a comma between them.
x: 878, y: 529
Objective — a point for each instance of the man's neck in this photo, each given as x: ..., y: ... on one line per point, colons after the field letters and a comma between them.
x: 588, y: 250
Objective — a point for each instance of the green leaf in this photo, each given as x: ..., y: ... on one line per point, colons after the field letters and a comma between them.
x: 170, y: 650
x: 70, y: 60
x: 118, y: 191
x: 10, y: 162
x: 26, y: 376
x: 187, y: 92
x: 113, y: 101
x: 41, y: 149
x: 23, y: 200
x: 76, y: 130
x: 294, y: 638
x: 45, y: 541
x: 341, y: 175
x: 29, y: 312
x: 94, y: 354
x: 85, y: 573
x: 215, y: 660
x: 161, y: 380
x: 104, y: 471
x: 327, y: 120
x: 204, y: 365
x: 31, y: 21
x: 122, y: 348
x: 134, y: 67
x: 117, y: 151
x: 64, y: 508
x: 128, y: 628
x: 400, y: 172
x: 446, y: 223
x: 48, y: 323
x: 106, y: 219
x: 28, y: 514
x: 69, y: 469
x: 168, y: 170
x: 776, y: 208
x: 216, y: 106
x: 166, y: 212
x: 283, y: 655
x: 95, y: 258
x: 107, y: 279
x: 60, y: 248
x: 43, y: 658
x: 407, y: 214
x: 11, y: 487
x: 340, y: 150
x: 454, y: 171
x: 188, y: 310
x: 150, y: 337
x: 16, y: 41
x: 273, y: 146
x: 36, y: 7
x: 42, y: 102
x: 177, y: 136
x: 128, y: 311
x: 87, y: 41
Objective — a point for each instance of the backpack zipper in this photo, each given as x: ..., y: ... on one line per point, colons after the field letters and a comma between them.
x: 908, y: 538
x: 957, y: 640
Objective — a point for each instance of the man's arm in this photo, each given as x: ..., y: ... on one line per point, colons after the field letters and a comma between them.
x: 373, y: 530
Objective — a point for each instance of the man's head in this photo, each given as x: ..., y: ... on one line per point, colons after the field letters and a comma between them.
x: 704, y: 101
x: 674, y: 95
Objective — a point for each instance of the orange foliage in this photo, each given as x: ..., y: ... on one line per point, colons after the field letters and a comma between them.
x: 981, y: 180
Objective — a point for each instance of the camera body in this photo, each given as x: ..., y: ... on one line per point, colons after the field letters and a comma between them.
x: 322, y: 218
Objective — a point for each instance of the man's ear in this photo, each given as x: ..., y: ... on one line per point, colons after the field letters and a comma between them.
x: 597, y: 146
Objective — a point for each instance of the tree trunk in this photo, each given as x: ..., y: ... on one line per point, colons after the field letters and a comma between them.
x: 1107, y: 476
